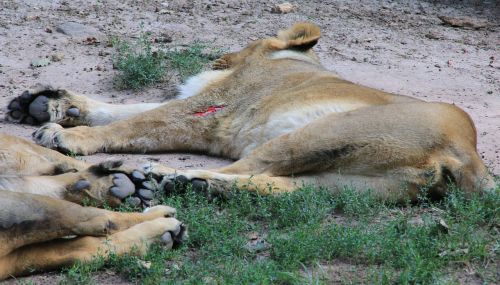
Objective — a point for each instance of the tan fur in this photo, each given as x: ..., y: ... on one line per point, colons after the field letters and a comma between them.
x: 287, y: 121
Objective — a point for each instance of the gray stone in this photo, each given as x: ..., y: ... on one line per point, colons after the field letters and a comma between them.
x: 77, y: 30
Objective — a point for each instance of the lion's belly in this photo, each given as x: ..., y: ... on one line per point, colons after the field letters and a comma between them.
x: 284, y: 121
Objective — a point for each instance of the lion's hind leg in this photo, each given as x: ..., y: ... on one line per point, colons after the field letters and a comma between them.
x: 64, y: 252
x: 106, y: 183
x: 31, y: 224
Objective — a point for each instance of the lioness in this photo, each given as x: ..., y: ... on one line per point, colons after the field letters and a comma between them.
x: 284, y: 118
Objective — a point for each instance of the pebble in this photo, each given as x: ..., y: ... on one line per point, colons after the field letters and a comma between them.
x: 57, y: 57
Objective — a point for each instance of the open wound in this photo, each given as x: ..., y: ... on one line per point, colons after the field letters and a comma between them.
x: 209, y: 110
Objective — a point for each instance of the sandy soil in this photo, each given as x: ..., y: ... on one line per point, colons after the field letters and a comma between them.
x: 401, y: 47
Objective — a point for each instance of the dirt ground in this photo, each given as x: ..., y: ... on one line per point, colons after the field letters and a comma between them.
x: 397, y: 46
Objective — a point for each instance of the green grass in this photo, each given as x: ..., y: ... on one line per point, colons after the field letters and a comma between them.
x: 139, y: 64
x: 295, y: 234
x: 192, y: 60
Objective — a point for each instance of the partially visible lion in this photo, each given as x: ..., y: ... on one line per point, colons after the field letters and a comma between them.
x: 273, y: 108
x: 43, y: 225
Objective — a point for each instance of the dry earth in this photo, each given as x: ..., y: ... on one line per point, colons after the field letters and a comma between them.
x: 397, y: 46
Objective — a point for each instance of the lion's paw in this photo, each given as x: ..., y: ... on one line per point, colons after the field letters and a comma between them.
x: 76, y: 140
x: 44, y: 104
x: 175, y: 235
x: 47, y: 135
x: 103, y: 184
x: 173, y: 180
x: 134, y: 189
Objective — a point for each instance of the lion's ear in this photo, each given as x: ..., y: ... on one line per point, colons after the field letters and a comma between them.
x: 301, y: 36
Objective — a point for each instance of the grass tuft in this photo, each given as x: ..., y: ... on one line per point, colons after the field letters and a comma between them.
x: 138, y: 65
x: 192, y: 60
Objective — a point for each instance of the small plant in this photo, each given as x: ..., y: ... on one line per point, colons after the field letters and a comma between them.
x: 137, y: 63
x: 192, y: 60
x: 140, y: 65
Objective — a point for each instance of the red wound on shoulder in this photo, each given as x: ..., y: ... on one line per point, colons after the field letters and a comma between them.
x: 209, y: 110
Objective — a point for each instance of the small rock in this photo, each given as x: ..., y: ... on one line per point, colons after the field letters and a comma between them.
x: 283, y: 8
x: 163, y: 39
x: 103, y: 53
x: 57, y: 57
x: 77, y: 30
x: 166, y: 11
x: 91, y: 41
x: 443, y: 225
x: 48, y: 30
x: 257, y: 245
x: 434, y: 36
x: 144, y: 264
x: 40, y: 62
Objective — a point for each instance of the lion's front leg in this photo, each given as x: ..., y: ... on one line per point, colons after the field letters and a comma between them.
x: 171, y: 127
x: 44, y: 104
x: 213, y: 182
